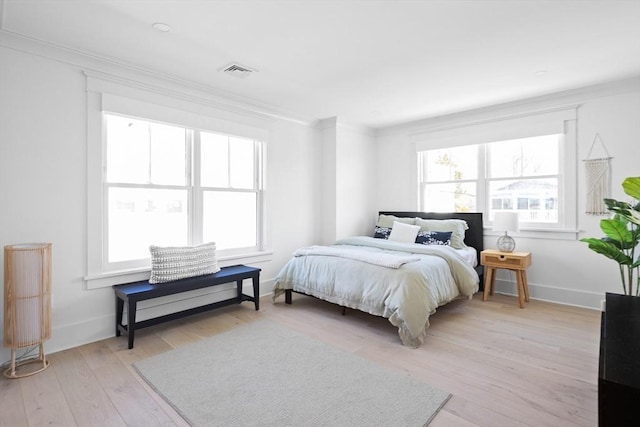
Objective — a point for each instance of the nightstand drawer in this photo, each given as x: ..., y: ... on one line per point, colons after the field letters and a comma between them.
x: 513, y: 260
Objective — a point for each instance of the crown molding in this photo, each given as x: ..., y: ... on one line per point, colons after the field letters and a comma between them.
x: 171, y: 92
x: 572, y: 98
x: 501, y: 115
x: 113, y: 70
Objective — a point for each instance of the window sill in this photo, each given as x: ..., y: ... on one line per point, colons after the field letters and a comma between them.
x: 106, y: 279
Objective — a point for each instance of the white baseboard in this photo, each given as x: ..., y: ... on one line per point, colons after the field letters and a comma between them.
x: 572, y: 297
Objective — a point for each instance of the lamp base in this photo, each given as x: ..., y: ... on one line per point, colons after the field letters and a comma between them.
x: 25, y: 368
x: 506, y: 243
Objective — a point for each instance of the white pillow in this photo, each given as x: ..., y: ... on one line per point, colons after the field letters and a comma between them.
x: 456, y: 226
x: 171, y: 263
x: 404, y: 233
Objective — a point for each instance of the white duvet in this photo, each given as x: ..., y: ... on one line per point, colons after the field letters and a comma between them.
x: 407, y: 295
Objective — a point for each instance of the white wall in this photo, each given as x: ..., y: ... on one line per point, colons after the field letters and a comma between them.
x: 355, y: 176
x: 43, y: 170
x: 348, y: 177
x: 564, y: 271
x: 329, y: 141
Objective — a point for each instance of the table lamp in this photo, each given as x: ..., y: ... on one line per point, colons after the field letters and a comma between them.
x: 506, y: 221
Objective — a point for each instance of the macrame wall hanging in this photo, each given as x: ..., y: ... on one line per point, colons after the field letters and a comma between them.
x: 598, y: 175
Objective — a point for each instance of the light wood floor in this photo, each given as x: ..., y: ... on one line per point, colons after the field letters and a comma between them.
x: 504, y: 366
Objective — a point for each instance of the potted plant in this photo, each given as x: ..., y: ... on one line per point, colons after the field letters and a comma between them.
x: 622, y: 236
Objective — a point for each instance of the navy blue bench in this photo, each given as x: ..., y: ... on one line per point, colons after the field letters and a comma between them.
x: 131, y: 293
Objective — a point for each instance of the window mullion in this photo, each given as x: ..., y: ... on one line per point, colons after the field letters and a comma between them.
x: 257, y: 161
x: 229, y: 162
x: 150, y: 148
x: 482, y: 182
x: 195, y: 188
x: 257, y: 187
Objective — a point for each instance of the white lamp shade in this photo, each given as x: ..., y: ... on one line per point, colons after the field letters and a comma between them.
x: 506, y: 221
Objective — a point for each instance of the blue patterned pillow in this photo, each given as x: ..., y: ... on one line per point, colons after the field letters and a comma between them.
x: 382, y: 232
x: 434, y: 238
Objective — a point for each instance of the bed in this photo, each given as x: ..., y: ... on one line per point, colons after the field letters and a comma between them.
x: 412, y: 263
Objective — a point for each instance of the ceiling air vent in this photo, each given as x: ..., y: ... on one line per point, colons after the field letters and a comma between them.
x: 237, y: 70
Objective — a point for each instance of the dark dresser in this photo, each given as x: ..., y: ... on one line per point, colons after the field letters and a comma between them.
x: 619, y: 371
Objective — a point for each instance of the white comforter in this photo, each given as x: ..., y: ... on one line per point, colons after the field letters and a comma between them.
x: 407, y: 295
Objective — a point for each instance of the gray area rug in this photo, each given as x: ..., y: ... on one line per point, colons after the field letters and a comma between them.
x: 265, y: 374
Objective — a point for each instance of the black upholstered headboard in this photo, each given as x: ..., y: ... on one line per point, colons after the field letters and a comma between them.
x: 474, y: 236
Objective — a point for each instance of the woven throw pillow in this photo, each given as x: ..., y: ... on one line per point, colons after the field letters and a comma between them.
x: 169, y: 263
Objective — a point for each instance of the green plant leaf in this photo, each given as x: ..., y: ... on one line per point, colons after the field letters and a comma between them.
x: 616, y: 205
x: 619, y: 208
x: 617, y: 229
x: 629, y: 211
x: 634, y: 215
x: 616, y: 243
x: 631, y: 186
x: 622, y: 232
x: 607, y: 249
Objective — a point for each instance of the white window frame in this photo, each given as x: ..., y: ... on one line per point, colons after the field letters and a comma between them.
x: 483, y: 182
x: 561, y: 120
x: 561, y: 208
x: 195, y: 195
x: 112, y: 97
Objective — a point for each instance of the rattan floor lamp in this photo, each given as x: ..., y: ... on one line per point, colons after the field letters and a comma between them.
x: 27, y: 304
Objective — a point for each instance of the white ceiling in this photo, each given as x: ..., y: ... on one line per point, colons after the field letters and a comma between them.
x: 372, y: 63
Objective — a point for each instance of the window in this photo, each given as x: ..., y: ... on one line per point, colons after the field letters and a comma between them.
x: 519, y: 159
x: 171, y: 185
x: 451, y: 179
x: 166, y: 167
x: 521, y: 175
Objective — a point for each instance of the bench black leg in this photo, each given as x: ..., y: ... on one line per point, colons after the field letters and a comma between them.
x: 131, y: 321
x: 239, y: 285
x: 119, y: 312
x: 256, y: 291
x: 287, y: 296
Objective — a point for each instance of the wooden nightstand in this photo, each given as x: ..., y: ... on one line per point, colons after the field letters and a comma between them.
x: 516, y: 261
